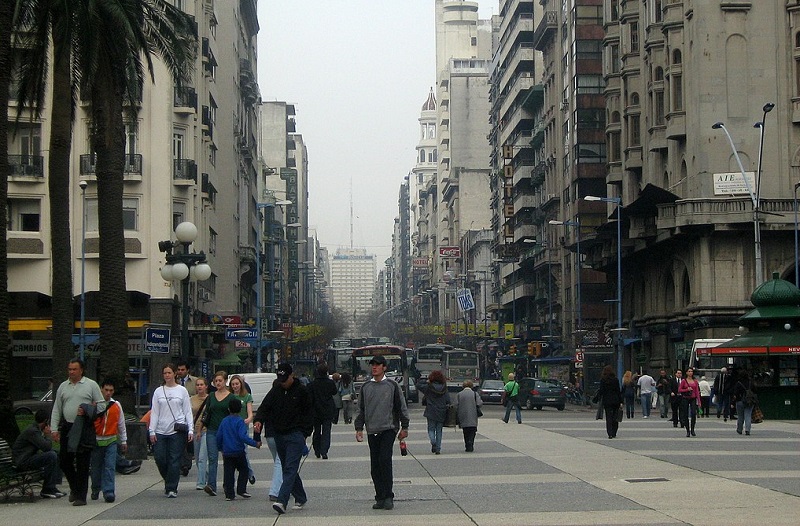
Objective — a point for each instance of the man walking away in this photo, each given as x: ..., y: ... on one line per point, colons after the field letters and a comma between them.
x: 110, y: 430
x: 288, y: 407
x: 722, y: 388
x: 674, y: 397
x: 663, y: 388
x: 33, y: 449
x: 74, y: 391
x: 646, y: 387
x: 382, y: 408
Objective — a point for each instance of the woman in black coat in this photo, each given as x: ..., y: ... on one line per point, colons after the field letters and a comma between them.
x: 322, y: 390
x: 610, y: 396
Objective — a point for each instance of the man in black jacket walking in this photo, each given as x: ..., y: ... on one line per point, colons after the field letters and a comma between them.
x: 288, y: 407
x: 322, y: 390
x: 723, y: 385
x: 674, y: 397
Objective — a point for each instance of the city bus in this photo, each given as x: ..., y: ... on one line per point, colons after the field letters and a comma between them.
x: 459, y: 365
x: 395, y: 360
x: 429, y: 358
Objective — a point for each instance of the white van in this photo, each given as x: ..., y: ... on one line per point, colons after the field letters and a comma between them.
x: 260, y: 384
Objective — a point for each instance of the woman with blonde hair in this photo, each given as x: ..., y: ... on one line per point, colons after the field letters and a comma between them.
x: 629, y: 394
x: 199, y: 401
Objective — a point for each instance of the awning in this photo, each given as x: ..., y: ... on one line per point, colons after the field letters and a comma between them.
x: 759, y: 343
x: 645, y: 204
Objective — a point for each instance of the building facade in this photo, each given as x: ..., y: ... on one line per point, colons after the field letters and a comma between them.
x: 352, y: 285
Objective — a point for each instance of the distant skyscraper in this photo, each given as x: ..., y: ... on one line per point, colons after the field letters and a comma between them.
x: 352, y: 284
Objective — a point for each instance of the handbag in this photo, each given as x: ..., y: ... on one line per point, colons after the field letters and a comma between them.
x: 337, y: 401
x: 477, y: 407
x: 178, y: 427
x: 757, y: 416
x: 451, y: 417
x: 619, y: 414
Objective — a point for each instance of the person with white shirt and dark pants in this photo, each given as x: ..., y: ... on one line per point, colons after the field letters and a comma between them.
x: 646, y: 387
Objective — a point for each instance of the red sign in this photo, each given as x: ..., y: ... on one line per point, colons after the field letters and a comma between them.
x: 232, y: 320
x: 419, y: 262
x: 784, y: 350
x: 728, y: 351
x: 287, y: 330
x: 450, y: 252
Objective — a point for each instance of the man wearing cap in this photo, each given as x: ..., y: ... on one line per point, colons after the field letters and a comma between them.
x: 288, y: 407
x: 382, y: 408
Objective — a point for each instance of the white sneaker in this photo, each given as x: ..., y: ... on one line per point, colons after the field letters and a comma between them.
x: 172, y: 495
x: 279, y: 507
x: 298, y: 505
x: 645, y: 416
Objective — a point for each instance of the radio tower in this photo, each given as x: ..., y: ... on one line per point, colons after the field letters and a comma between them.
x: 351, y: 212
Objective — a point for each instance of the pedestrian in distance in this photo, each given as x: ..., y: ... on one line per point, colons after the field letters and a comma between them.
x: 322, y: 390
x: 75, y: 455
x: 382, y: 409
x: 610, y: 397
x: 288, y: 406
x: 217, y: 404
x: 170, y: 427
x: 199, y: 404
x: 111, y: 434
x: 723, y: 385
x: 629, y: 394
x: 337, y: 398
x: 675, y: 397
x: 646, y: 387
x: 745, y: 401
x: 348, y: 392
x: 232, y: 441
x: 239, y: 389
x: 663, y: 390
x: 689, y: 392
x: 467, y: 406
x: 512, y: 398
x: 33, y: 449
x: 436, y: 399
x: 705, y: 397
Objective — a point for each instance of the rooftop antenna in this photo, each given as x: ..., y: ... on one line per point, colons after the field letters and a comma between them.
x: 351, y: 212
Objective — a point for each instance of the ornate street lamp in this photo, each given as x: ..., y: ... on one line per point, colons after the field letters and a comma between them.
x: 184, y: 266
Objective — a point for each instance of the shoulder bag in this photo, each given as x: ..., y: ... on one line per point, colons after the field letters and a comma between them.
x: 179, y: 427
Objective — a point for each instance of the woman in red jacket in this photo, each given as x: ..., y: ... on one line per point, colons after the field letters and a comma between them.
x: 689, y: 391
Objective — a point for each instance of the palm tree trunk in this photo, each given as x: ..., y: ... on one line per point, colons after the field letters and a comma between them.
x: 108, y: 139
x: 59, y: 187
x: 9, y: 430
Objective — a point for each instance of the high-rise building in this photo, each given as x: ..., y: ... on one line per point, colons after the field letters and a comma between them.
x: 352, y: 284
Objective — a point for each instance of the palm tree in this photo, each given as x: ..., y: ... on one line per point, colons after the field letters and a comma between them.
x: 9, y: 429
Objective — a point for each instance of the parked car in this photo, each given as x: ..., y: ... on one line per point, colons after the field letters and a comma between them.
x: 413, y: 393
x: 28, y: 407
x: 538, y: 393
x: 491, y: 391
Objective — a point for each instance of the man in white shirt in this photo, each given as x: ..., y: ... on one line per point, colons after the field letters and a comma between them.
x: 646, y: 387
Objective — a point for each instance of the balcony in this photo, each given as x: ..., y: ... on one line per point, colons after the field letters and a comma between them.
x: 184, y: 100
x: 545, y: 31
x: 722, y: 212
x: 132, y: 170
x: 26, y: 167
x: 676, y: 126
x: 184, y: 172
x: 207, y: 123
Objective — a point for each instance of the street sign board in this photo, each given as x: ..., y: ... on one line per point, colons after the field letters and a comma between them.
x: 465, y: 301
x: 241, y: 333
x: 450, y: 252
x: 156, y: 340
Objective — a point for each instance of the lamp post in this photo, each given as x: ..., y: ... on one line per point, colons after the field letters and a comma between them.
x: 754, y: 195
x: 577, y: 226
x: 796, y: 253
x: 184, y: 267
x: 82, y: 345
x: 617, y: 201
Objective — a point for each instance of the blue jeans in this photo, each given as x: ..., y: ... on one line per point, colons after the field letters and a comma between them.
x: 213, y: 458
x: 435, y: 434
x: 290, y: 448
x: 201, y: 454
x: 512, y: 402
x: 277, y: 469
x: 168, y: 454
x: 647, y: 400
x: 630, y: 407
x: 47, y: 461
x: 104, y: 463
x: 744, y: 417
x: 663, y: 404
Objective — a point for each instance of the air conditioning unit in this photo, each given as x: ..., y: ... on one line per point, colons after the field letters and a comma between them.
x: 205, y: 295
x: 564, y: 104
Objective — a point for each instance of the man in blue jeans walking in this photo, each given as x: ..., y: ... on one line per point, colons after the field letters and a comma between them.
x: 288, y: 407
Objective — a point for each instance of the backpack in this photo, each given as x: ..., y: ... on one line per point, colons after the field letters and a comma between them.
x: 750, y: 398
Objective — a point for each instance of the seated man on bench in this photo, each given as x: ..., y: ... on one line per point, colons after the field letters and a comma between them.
x: 33, y: 449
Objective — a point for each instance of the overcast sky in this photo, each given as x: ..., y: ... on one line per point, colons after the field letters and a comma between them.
x: 358, y: 72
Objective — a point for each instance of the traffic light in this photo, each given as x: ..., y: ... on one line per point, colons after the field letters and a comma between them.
x: 531, y: 349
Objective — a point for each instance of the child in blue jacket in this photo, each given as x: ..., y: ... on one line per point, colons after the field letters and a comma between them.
x: 232, y: 439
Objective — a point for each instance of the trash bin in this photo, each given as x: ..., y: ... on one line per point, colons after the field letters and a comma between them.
x: 137, y: 440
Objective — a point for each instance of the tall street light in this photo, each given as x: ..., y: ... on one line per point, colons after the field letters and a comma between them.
x: 796, y: 253
x: 184, y: 266
x: 82, y: 346
x: 259, y: 277
x: 577, y: 226
x: 754, y: 192
x: 617, y: 201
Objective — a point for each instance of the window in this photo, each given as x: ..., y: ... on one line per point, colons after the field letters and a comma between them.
x: 635, y: 138
x: 658, y: 109
x: 590, y: 153
x: 130, y: 214
x: 614, y: 147
x: 589, y: 15
x: 634, y: 99
x: 178, y: 213
x: 613, y: 58
x: 23, y: 215
x: 614, y: 10
x: 590, y: 119
x: 634, y: 28
x: 422, y: 156
x: 431, y: 131
x: 657, y: 14
x: 588, y: 49
x: 131, y: 132
x: 435, y: 155
x: 177, y: 144
x: 676, y: 56
x: 589, y: 84
x: 658, y: 75
x: 677, y: 92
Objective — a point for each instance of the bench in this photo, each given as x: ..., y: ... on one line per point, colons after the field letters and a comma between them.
x: 15, y: 482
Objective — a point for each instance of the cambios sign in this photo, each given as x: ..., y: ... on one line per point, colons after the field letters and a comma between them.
x: 450, y: 252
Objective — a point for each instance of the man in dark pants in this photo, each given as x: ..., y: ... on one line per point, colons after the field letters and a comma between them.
x: 382, y: 408
x: 723, y: 387
x: 183, y: 378
x: 674, y: 397
x: 288, y: 407
x: 73, y: 392
x: 33, y: 449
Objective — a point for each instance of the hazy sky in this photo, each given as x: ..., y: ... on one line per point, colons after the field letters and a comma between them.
x: 358, y: 72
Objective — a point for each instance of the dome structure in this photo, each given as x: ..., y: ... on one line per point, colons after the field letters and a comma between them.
x: 776, y: 292
x: 430, y: 104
